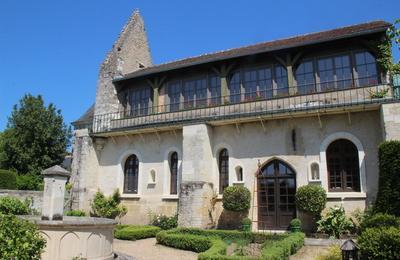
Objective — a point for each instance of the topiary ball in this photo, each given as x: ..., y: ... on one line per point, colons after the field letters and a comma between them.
x: 236, y: 198
x: 311, y: 199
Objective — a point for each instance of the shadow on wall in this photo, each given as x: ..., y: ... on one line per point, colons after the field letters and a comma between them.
x: 231, y: 219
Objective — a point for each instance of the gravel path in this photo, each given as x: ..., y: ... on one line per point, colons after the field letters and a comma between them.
x: 147, y: 249
x: 309, y: 252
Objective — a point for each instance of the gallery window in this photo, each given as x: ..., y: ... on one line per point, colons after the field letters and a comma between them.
x: 343, y: 166
x: 173, y: 168
x: 131, y: 174
x: 223, y: 161
x: 305, y: 77
x: 366, y: 69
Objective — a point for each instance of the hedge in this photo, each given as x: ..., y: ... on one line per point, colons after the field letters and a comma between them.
x: 380, y: 243
x: 75, y: 213
x: 387, y: 200
x: 8, y: 180
x: 210, y: 244
x: 130, y: 232
x: 283, y: 249
x: 13, y: 206
x: 380, y: 220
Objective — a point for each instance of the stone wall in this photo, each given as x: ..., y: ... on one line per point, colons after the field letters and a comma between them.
x: 246, y: 143
x: 35, y: 196
x: 129, y: 53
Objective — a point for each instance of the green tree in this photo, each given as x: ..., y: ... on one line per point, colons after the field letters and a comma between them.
x: 35, y: 138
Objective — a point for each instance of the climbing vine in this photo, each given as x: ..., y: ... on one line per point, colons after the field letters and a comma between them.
x: 384, y: 49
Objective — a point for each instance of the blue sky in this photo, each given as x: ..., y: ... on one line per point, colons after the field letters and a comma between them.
x: 54, y: 48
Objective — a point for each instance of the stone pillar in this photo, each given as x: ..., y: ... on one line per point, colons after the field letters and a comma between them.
x: 390, y: 121
x: 196, y: 190
x: 84, y: 169
x: 55, y: 179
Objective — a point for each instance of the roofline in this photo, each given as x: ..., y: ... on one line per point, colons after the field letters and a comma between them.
x: 212, y: 59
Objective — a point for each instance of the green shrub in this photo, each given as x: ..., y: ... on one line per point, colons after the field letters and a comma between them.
x: 282, y: 249
x: 246, y: 221
x: 380, y: 220
x: 311, y: 199
x: 184, y: 241
x: 211, y: 242
x: 164, y: 222
x: 75, y: 213
x: 380, y: 243
x: 236, y: 198
x: 130, y: 232
x: 295, y: 225
x: 107, y: 207
x: 19, y: 239
x: 387, y: 200
x: 8, y: 180
x: 335, y: 222
x: 13, y: 206
x: 334, y: 253
x: 29, y: 182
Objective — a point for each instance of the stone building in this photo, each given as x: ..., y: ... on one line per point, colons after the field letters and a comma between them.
x: 272, y: 116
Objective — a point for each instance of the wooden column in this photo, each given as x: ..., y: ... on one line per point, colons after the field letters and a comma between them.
x: 289, y: 64
x: 223, y: 71
x: 156, y: 84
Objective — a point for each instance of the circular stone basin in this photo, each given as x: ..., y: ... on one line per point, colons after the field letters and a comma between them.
x: 86, y: 237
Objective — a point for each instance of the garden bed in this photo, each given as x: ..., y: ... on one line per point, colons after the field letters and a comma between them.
x: 214, y: 244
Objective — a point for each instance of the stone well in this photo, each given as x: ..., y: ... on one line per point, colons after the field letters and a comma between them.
x: 90, y: 238
x: 69, y: 237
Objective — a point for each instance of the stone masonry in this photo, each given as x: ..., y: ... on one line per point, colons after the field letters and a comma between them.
x: 129, y: 53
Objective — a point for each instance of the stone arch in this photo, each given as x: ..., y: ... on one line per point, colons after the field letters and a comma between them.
x: 361, y: 157
x: 69, y: 245
x: 166, y: 175
x: 121, y: 163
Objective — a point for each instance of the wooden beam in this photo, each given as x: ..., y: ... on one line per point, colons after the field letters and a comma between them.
x: 349, y: 117
x: 237, y: 128
x: 280, y: 60
x: 296, y: 57
x: 319, y: 120
x: 262, y: 124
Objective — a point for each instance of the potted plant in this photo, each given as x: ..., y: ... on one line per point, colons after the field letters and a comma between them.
x: 246, y: 224
x: 295, y: 225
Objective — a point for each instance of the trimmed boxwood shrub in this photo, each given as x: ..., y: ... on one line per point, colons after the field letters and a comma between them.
x: 184, y: 241
x: 212, y: 246
x: 75, y: 213
x: 13, y: 206
x: 236, y: 198
x: 380, y: 243
x: 284, y: 248
x: 131, y: 232
x: 19, y: 239
x: 8, y: 180
x: 380, y: 220
x: 311, y: 199
x: 387, y: 200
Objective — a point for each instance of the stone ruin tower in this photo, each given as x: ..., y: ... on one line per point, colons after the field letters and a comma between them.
x: 129, y: 53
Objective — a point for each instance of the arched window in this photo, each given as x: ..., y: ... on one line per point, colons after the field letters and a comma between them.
x: 173, y: 168
x: 223, y: 170
x: 343, y: 166
x: 131, y: 174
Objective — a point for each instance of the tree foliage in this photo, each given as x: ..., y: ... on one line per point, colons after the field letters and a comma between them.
x: 36, y: 137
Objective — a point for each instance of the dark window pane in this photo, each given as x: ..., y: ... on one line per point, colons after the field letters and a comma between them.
x: 173, y: 164
x: 343, y: 166
x: 223, y: 170
x: 234, y: 88
x: 131, y: 174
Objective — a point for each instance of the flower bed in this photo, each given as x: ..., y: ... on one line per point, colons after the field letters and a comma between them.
x: 210, y: 243
x: 132, y: 232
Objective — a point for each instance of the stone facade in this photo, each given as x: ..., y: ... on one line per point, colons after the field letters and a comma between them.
x: 129, y: 53
x: 299, y: 139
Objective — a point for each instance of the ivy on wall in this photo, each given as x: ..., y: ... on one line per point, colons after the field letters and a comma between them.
x: 384, y: 49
